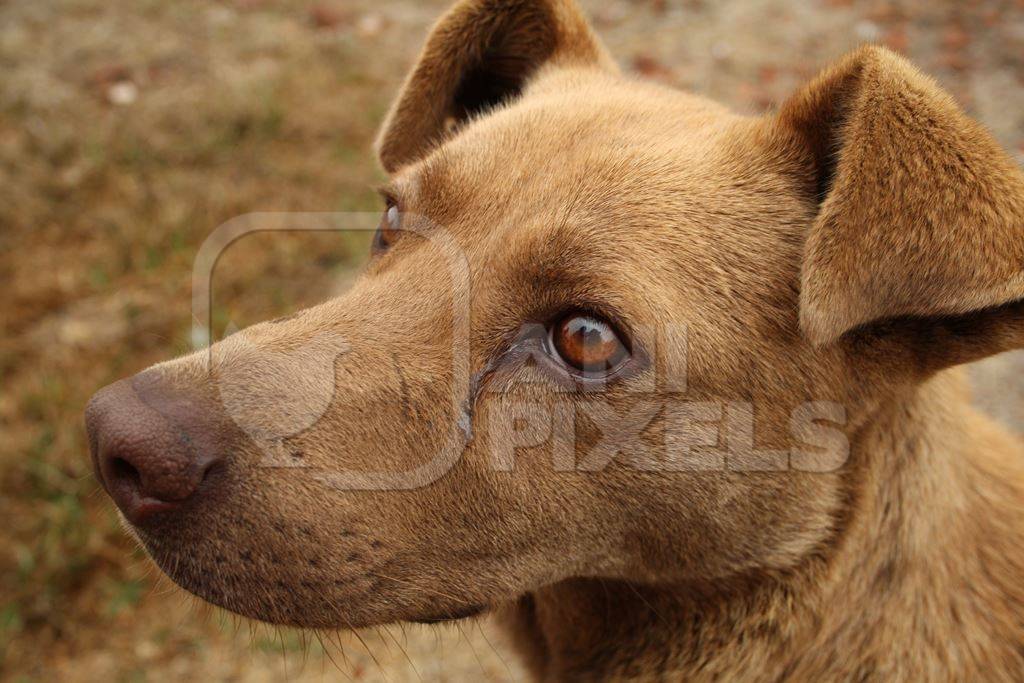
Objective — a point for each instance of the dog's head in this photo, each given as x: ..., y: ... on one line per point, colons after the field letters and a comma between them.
x: 608, y: 329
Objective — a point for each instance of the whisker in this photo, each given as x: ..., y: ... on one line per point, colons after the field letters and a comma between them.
x: 341, y: 648
x: 472, y: 649
x: 480, y: 627
x: 284, y: 653
x: 649, y: 605
x: 404, y: 652
x: 367, y: 647
x: 376, y: 630
x: 329, y: 656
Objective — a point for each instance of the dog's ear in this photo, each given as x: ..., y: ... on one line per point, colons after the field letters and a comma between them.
x: 478, y: 55
x: 921, y: 213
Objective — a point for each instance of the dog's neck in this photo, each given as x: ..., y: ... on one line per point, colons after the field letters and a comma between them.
x: 922, y: 580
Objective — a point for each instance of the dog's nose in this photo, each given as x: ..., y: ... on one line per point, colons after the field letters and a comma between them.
x: 148, y: 449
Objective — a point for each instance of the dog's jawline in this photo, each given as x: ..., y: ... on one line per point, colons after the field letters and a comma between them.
x: 452, y: 615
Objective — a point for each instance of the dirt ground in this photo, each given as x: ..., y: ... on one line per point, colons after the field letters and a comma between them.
x: 130, y: 129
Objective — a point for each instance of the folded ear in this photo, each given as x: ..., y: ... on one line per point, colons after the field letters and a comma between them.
x: 477, y: 56
x: 922, y: 214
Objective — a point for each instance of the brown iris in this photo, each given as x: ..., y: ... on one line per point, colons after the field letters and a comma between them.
x: 588, y: 344
x: 388, y: 230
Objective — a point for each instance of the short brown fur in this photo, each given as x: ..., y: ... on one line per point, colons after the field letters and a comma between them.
x: 852, y: 247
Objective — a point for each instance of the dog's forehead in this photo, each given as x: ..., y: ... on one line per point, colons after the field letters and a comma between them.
x: 603, y: 166
x: 594, y: 142
x: 579, y: 126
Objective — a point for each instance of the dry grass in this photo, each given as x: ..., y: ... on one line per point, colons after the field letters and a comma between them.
x: 130, y: 129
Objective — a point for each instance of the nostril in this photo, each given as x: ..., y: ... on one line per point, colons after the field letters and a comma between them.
x: 154, y: 448
x: 209, y: 470
x: 123, y: 471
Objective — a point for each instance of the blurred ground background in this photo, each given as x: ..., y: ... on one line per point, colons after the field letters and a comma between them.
x: 130, y: 129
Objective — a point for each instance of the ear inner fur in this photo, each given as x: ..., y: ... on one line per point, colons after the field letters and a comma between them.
x: 923, y: 213
x: 480, y: 54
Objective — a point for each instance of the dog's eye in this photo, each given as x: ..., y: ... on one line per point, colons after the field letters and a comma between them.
x: 387, y: 231
x: 588, y: 344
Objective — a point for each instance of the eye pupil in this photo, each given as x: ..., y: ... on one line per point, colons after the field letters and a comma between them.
x: 588, y: 344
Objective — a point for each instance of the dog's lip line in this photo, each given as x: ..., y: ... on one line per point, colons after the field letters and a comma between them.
x: 462, y: 612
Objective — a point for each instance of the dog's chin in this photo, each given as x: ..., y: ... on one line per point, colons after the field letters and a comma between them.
x: 304, y: 602
x: 254, y: 595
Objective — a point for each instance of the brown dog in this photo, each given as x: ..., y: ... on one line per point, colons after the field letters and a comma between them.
x: 667, y: 389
